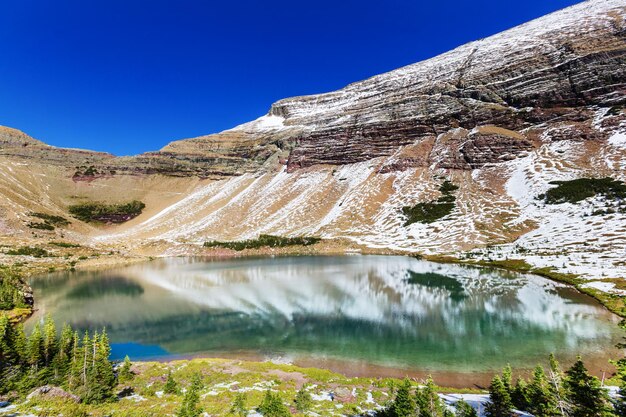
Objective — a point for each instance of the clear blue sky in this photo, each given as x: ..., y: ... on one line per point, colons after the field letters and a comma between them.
x: 127, y: 76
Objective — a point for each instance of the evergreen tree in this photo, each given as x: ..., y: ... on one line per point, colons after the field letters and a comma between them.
x: 620, y: 400
x: 125, y: 374
x: 49, y: 340
x: 74, y: 373
x: 8, y: 355
x: 35, y: 348
x: 507, y: 378
x: 303, y: 400
x: 238, y: 407
x: 272, y: 406
x: 61, y: 362
x: 499, y: 400
x: 556, y: 377
x: 542, y: 400
x: 190, y: 407
x: 520, y: 397
x: 463, y: 409
x: 20, y: 344
x: 403, y: 405
x: 585, y: 394
x: 171, y: 387
x: 101, y: 378
x: 428, y: 402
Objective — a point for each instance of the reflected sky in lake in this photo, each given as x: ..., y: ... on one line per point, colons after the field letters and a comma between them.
x: 383, y: 310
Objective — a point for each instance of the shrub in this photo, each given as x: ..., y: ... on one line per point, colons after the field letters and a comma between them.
x: 28, y: 251
x: 40, y: 226
x: 111, y: 213
x: 51, y: 219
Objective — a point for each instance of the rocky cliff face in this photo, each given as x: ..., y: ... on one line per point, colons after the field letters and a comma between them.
x: 552, y: 70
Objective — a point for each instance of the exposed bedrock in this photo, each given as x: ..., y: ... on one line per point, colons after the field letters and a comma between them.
x: 554, y: 72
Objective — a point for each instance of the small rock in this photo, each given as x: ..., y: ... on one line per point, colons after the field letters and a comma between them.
x: 48, y: 391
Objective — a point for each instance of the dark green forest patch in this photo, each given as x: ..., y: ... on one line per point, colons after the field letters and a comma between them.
x: 107, y: 213
x: 264, y: 241
x: 434, y: 210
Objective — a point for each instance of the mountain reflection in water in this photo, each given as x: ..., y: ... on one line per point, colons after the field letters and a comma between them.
x: 384, y: 310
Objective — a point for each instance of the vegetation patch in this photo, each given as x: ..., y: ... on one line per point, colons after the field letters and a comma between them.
x: 50, y: 221
x: 579, y: 189
x: 432, y: 211
x: 28, y: 251
x: 40, y: 226
x: 264, y: 241
x: 107, y: 213
x: 11, y: 290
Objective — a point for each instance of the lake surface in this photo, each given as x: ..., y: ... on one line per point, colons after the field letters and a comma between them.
x: 355, y: 313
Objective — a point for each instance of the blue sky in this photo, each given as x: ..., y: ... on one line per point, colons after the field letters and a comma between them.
x: 130, y: 76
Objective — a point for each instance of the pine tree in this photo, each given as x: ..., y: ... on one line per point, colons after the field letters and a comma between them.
x: 190, y: 408
x: 61, y: 362
x: 272, y: 406
x: 238, y: 407
x: 75, y: 369
x: 20, y: 344
x: 520, y: 397
x: 8, y: 355
x: 542, y: 402
x: 125, y: 373
x: 463, y: 409
x: 428, y: 402
x: 303, y: 400
x: 507, y: 378
x: 101, y: 376
x: 403, y: 405
x: 620, y: 400
x: 49, y: 340
x: 556, y: 377
x: 35, y: 348
x: 499, y: 400
x: 585, y: 394
x: 171, y: 387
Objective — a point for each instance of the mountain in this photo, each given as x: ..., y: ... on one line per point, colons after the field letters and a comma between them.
x: 500, y: 118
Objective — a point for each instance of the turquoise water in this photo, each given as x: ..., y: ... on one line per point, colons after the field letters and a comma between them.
x: 384, y: 311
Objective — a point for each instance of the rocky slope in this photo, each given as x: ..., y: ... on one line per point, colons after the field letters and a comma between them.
x: 500, y: 117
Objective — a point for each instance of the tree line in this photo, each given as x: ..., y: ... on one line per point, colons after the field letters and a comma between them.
x: 555, y: 393
x: 78, y: 364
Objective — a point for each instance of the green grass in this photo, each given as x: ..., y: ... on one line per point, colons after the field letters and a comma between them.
x: 264, y: 241
x: 582, y: 188
x: 432, y: 211
x: 101, y: 212
x: 253, y: 378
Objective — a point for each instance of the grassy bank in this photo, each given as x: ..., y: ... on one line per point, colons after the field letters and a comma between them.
x: 222, y: 380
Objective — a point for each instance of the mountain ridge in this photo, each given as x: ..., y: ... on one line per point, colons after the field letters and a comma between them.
x: 500, y: 118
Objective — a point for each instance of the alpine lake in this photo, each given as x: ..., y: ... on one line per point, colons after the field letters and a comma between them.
x: 358, y: 315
